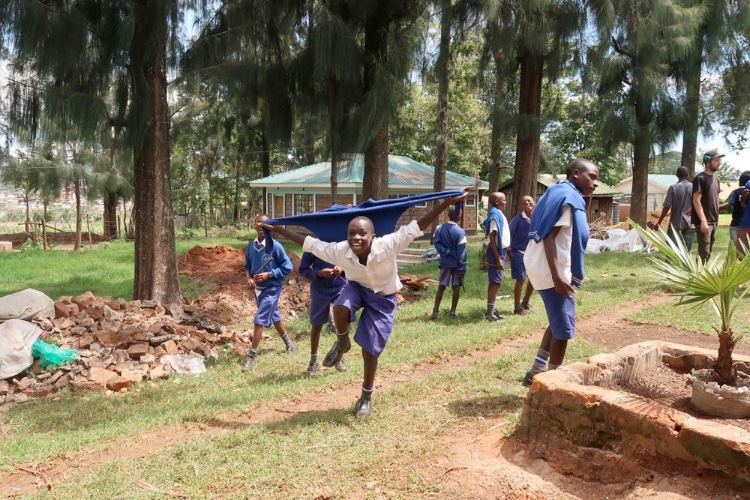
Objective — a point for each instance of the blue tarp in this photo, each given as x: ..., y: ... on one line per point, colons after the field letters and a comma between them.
x: 331, y: 224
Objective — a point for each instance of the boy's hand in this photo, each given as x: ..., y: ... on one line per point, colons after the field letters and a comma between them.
x: 564, y: 288
x: 261, y: 277
x: 251, y: 284
x: 461, y: 196
x: 326, y: 273
x: 270, y: 227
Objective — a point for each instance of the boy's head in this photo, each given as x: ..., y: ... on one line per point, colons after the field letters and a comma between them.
x: 497, y: 200
x: 583, y: 174
x: 527, y: 204
x: 744, y: 177
x: 452, y: 214
x: 258, y: 226
x: 360, y: 235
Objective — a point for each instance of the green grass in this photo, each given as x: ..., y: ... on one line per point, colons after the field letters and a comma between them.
x: 272, y: 460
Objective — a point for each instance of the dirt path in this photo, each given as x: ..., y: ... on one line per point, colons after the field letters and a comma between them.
x: 481, y: 462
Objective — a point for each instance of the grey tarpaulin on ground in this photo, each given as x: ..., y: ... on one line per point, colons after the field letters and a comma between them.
x: 26, y: 304
x: 16, y: 339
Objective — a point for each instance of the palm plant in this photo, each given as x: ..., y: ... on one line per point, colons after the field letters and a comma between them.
x: 715, y: 282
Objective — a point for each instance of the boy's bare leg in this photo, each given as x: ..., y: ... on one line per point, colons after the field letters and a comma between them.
x: 254, y: 343
x: 527, y: 296
x: 363, y: 408
x: 438, y: 299
x: 291, y: 347
x: 454, y: 299
x: 314, y: 367
x: 342, y: 344
x: 492, y: 289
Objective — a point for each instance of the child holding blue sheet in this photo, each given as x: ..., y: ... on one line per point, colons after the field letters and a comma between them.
x: 372, y: 273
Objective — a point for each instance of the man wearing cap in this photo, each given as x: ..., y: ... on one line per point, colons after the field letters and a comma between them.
x: 706, y: 203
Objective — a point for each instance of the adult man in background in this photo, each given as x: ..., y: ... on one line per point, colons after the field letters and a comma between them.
x: 706, y: 203
x: 680, y: 201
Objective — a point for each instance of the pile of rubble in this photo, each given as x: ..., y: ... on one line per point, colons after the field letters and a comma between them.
x: 119, y: 343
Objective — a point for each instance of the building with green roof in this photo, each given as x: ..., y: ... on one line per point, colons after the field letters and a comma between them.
x: 308, y: 189
x: 602, y: 204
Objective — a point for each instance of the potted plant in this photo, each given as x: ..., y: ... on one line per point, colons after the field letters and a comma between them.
x: 716, y: 282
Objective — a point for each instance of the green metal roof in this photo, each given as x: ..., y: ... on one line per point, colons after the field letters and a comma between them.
x: 402, y: 171
x: 548, y: 179
x: 664, y: 180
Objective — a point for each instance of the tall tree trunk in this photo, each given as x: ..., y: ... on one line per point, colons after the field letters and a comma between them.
x: 641, y: 154
x: 529, y: 130
x: 691, y: 108
x: 332, y: 113
x: 265, y: 160
x: 79, y: 216
x: 110, y: 217
x: 375, y: 177
x: 498, y: 126
x: 156, y: 275
x: 237, y: 209
x: 443, y: 76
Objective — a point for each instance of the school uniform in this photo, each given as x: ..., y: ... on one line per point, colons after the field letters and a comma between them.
x: 561, y: 206
x: 519, y: 238
x: 371, y: 287
x: 323, y: 291
x: 267, y: 294
x: 450, y: 242
x: 496, y: 221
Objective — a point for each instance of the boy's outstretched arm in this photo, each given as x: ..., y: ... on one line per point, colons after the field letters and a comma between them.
x: 290, y: 235
x: 427, y: 219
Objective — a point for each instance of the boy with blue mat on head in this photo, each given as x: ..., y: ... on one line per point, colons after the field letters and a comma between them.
x: 265, y: 275
x: 450, y: 242
x: 326, y: 283
x: 558, y: 234
x: 370, y: 266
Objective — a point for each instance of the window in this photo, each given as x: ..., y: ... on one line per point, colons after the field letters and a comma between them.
x: 394, y: 196
x: 471, y: 200
x: 304, y: 204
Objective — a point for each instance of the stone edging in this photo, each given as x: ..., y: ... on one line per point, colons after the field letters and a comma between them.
x: 572, y: 419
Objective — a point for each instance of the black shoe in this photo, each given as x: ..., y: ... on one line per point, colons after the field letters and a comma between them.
x: 291, y: 347
x: 520, y: 310
x: 312, y: 369
x: 341, y: 366
x: 527, y: 306
x: 528, y: 379
x: 434, y: 315
x: 339, y: 348
x: 249, y: 364
x: 363, y: 408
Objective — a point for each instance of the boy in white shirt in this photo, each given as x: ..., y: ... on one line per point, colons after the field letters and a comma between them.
x: 554, y: 258
x: 370, y: 266
x: 496, y: 229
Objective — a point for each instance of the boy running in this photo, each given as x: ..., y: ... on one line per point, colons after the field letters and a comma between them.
x: 265, y: 275
x: 326, y: 283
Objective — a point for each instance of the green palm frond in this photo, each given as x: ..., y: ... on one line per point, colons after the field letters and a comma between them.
x: 715, y: 282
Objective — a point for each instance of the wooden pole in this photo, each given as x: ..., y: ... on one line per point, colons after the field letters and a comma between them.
x: 88, y: 228
x: 44, y: 235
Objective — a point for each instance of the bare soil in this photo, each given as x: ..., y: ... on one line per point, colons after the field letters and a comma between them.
x: 59, y: 240
x: 478, y: 460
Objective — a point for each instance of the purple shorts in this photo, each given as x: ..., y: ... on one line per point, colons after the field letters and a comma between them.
x: 375, y: 321
x: 320, y: 304
x: 449, y: 276
x: 561, y: 313
x: 494, y: 273
x: 517, y: 267
x: 268, y: 306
